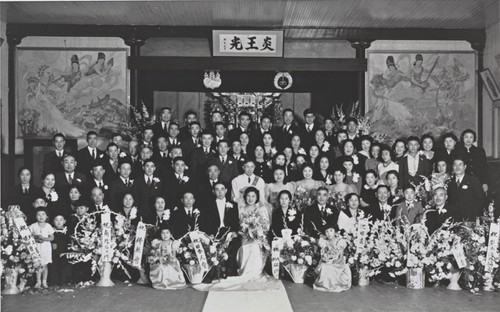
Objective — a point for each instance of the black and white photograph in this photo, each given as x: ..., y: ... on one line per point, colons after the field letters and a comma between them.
x: 250, y: 155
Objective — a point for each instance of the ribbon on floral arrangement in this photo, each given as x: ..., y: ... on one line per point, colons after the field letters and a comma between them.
x: 140, y: 237
x: 107, y: 250
x: 492, y: 247
x: 458, y: 253
x: 363, y: 228
x: 25, y: 234
x: 275, y: 258
x: 200, y: 252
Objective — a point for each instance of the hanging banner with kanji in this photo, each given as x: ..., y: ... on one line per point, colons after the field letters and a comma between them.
x: 248, y: 43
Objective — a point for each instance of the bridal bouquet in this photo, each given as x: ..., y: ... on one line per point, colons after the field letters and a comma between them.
x: 298, y: 255
x: 87, y: 241
x: 254, y: 227
x: 15, y: 254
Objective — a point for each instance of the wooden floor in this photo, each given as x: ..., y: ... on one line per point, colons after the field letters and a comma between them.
x: 376, y: 297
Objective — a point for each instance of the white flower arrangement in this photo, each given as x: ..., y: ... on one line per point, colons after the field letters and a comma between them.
x: 302, y: 151
x: 53, y: 196
x: 185, y: 178
x: 355, y: 159
x: 355, y: 177
x: 291, y: 214
x: 106, y: 208
x: 326, y: 146
x: 122, y: 155
x: 229, y: 205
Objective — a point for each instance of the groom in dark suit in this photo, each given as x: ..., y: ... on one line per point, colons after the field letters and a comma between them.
x: 318, y: 215
x: 221, y: 214
x: 413, y: 165
x: 227, y: 165
x: 52, y: 161
x: 465, y: 194
x: 87, y: 155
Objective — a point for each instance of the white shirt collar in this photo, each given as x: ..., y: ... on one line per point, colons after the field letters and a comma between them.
x: 146, y: 178
x: 92, y: 149
x: 125, y: 179
x: 97, y: 182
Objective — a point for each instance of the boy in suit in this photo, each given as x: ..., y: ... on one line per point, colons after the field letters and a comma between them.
x: 413, y: 165
x: 409, y: 211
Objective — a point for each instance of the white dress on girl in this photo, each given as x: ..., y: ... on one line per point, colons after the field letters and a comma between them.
x: 44, y: 248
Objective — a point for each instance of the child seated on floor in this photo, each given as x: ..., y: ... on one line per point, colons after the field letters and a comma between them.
x: 60, y: 269
x: 165, y: 270
x: 334, y: 275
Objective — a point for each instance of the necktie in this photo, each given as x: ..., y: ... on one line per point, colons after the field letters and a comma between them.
x: 249, y: 180
x: 93, y: 154
x: 458, y: 181
x: 308, y: 128
x: 100, y: 184
x: 212, y: 182
x: 174, y: 142
x: 70, y: 179
x: 164, y: 126
x: 127, y: 183
x: 164, y: 155
x: 149, y: 181
x: 179, y: 178
x: 189, y: 213
x: 59, y: 154
x: 115, y: 166
x: 223, y: 159
x: 25, y: 190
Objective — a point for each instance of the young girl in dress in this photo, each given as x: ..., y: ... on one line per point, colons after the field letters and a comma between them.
x: 43, y: 234
x: 334, y: 275
x: 166, y: 272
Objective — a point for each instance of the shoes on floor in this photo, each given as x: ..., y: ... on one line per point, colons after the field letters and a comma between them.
x: 38, y: 286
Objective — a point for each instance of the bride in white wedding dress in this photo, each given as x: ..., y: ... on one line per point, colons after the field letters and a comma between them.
x: 252, y: 255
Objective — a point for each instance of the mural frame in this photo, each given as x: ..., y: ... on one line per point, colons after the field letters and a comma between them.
x: 472, y: 91
x: 122, y: 88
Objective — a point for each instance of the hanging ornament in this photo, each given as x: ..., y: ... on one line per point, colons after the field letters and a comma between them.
x: 212, y: 79
x: 283, y: 81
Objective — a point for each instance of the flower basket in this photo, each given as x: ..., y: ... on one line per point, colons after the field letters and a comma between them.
x: 297, y: 272
x: 415, y: 278
x: 364, y: 277
x: 194, y: 273
x: 105, y: 272
x: 11, y: 282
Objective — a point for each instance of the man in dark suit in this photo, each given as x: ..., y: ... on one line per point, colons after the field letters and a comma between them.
x: 145, y: 188
x: 221, y: 214
x: 178, y: 182
x: 111, y: 162
x: 329, y: 127
x: 185, y: 217
x: 220, y: 133
x: 147, y: 136
x: 227, y: 165
x: 414, y: 165
x: 308, y: 130
x: 161, y: 128
x: 382, y: 210
x: 244, y: 119
x: 87, y: 155
x: 204, y: 190
x: 98, y: 173
x: 264, y: 127
x: 285, y: 132
x: 52, y: 162
x: 319, y: 214
x: 238, y: 155
x: 436, y: 215
x: 160, y: 156
x: 352, y: 131
x: 121, y: 186
x: 69, y: 177
x: 189, y: 117
x: 191, y: 143
x: 24, y: 193
x: 465, y: 194
x: 173, y: 136
x: 202, y: 155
